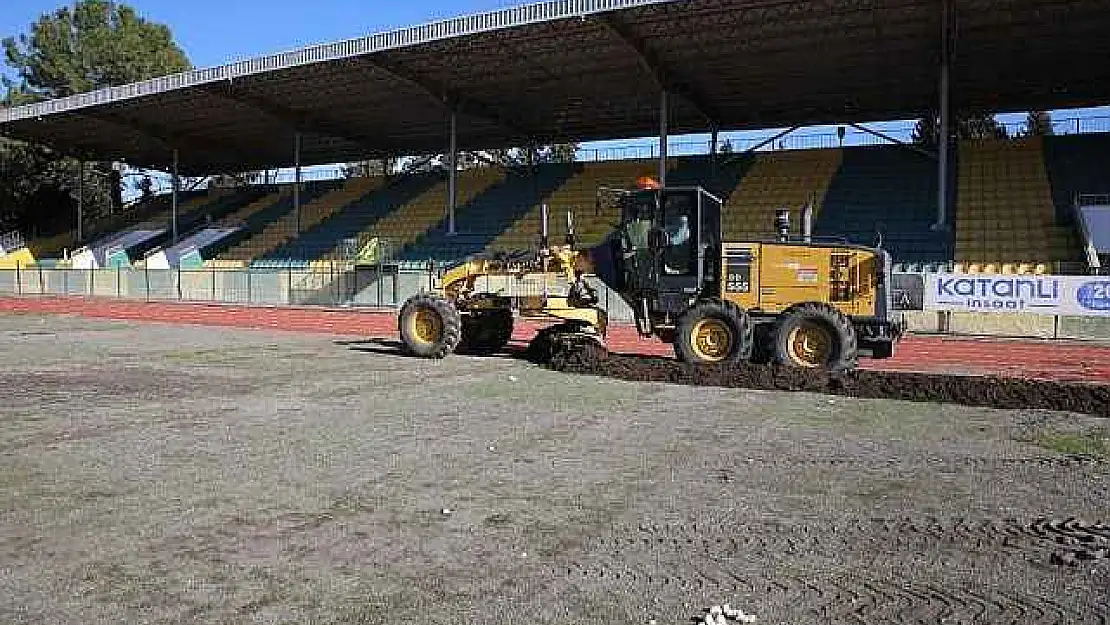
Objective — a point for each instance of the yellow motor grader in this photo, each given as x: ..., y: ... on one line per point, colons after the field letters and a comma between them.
x: 789, y: 300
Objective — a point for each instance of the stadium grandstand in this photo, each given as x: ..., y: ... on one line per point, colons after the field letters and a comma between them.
x: 594, y: 70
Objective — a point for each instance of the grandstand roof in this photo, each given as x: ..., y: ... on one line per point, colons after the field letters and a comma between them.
x: 588, y: 70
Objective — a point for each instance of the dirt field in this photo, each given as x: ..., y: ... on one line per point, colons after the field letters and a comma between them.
x: 152, y: 473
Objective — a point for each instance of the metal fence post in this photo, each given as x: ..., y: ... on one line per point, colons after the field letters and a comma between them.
x: 146, y: 279
x: 119, y: 282
x: 213, y: 271
x: 42, y: 283
x: 249, y: 300
x: 289, y: 286
x: 379, y: 277
x: 180, y: 297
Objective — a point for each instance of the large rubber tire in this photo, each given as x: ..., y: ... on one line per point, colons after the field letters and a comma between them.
x: 430, y: 326
x: 762, y: 343
x: 713, y: 332
x: 486, y: 332
x: 815, y: 335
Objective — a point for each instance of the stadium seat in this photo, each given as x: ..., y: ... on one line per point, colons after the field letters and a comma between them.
x: 16, y: 259
x: 485, y: 216
x: 578, y: 194
x: 1005, y: 209
x: 885, y: 193
x: 256, y: 217
x: 775, y: 180
x: 403, y: 227
x: 284, y: 230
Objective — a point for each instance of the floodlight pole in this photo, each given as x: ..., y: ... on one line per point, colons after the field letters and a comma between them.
x: 942, y: 140
x: 452, y: 173
x: 80, y: 201
x: 176, y: 186
x: 297, y: 179
x: 663, y: 118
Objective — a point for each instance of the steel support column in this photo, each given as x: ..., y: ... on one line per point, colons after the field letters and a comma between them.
x: 80, y: 202
x: 943, y: 139
x: 714, y: 137
x: 663, y: 125
x: 173, y: 201
x: 297, y: 179
x: 453, y: 173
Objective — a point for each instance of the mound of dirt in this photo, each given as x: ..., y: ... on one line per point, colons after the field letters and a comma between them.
x: 993, y: 392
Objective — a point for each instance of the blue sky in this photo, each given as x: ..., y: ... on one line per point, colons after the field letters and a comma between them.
x: 214, y: 32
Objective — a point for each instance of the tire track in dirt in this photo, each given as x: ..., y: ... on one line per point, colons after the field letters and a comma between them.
x: 1036, y: 536
x: 721, y: 556
x: 1060, y: 462
x: 727, y: 469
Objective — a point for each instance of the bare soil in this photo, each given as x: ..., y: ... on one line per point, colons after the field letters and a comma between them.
x: 162, y: 474
x: 987, y: 391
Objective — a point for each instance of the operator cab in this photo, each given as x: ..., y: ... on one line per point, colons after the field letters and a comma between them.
x: 670, y: 243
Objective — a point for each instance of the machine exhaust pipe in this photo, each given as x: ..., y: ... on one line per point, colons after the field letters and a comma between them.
x: 807, y: 222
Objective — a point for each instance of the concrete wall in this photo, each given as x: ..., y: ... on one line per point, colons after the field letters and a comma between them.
x: 1084, y: 328
x: 367, y: 287
x: 1011, y: 325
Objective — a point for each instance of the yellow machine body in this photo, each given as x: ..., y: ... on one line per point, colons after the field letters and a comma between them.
x: 772, y: 277
x: 789, y: 300
x: 537, y: 287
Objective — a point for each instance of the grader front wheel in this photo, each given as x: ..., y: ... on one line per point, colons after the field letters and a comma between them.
x: 713, y: 332
x: 430, y: 326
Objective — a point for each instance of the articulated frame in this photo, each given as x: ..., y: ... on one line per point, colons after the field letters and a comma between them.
x: 549, y: 284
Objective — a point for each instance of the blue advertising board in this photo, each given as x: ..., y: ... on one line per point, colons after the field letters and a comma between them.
x: 1046, y: 295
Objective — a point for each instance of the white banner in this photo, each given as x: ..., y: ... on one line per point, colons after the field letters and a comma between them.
x: 1083, y: 296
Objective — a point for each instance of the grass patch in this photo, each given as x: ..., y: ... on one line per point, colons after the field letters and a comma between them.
x: 224, y: 355
x: 866, y: 416
x: 1096, y: 443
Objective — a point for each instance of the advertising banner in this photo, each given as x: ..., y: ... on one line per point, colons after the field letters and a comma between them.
x: 1084, y: 296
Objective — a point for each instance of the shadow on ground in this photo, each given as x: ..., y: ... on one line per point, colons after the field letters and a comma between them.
x: 392, y: 347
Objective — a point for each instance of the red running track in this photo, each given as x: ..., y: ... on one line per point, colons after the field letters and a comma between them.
x: 1058, y: 360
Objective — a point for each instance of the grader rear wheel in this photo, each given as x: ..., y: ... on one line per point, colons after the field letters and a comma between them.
x: 815, y: 335
x: 430, y: 326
